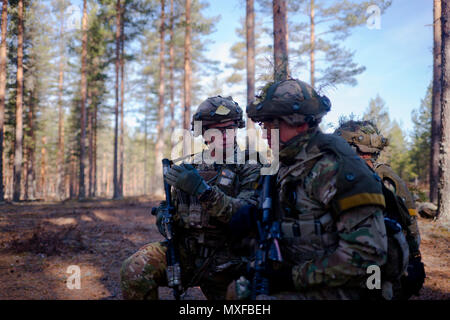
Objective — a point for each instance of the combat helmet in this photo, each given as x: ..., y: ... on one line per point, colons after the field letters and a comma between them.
x: 364, y: 135
x: 293, y: 101
x: 218, y: 110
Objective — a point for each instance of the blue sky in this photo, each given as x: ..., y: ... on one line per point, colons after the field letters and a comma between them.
x: 397, y: 57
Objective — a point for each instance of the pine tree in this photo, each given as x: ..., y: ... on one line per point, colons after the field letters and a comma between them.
x: 187, y: 67
x: 83, y: 85
x: 117, y: 191
x: 321, y: 28
x: 436, y: 102
x: 251, y: 47
x: 421, y: 139
x: 280, y: 40
x: 4, y: 22
x: 18, y: 142
x: 160, y: 126
x: 444, y: 172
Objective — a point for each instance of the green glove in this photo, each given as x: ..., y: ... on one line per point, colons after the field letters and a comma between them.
x: 187, y: 179
x: 159, y: 218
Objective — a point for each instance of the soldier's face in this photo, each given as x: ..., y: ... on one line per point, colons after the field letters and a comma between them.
x: 286, y: 131
x: 228, y: 131
x: 367, y: 157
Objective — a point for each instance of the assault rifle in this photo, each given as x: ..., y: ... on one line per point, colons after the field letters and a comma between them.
x: 268, y: 249
x: 173, y: 269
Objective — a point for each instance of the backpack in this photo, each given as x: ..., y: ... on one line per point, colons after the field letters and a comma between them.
x: 397, y: 221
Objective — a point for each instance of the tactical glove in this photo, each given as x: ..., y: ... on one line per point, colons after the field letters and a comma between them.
x: 159, y: 218
x: 187, y: 179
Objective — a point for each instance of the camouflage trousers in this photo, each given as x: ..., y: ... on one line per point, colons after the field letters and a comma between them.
x: 145, y: 271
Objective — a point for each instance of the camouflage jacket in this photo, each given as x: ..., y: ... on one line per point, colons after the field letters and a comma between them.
x: 233, y: 186
x: 328, y: 245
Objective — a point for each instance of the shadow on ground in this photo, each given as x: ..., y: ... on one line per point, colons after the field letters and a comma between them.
x: 39, y: 241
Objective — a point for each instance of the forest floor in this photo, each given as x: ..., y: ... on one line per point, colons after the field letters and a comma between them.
x: 39, y: 241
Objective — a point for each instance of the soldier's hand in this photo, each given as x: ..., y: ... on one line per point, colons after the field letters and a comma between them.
x: 159, y: 218
x: 238, y: 289
x: 186, y: 178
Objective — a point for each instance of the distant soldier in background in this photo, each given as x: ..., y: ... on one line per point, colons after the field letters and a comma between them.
x: 205, y: 197
x: 368, y: 142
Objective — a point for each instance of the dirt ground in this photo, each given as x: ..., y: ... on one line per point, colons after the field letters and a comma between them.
x: 39, y: 241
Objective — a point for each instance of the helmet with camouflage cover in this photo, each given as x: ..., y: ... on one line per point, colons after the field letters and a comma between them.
x: 293, y: 101
x: 364, y: 135
x: 218, y: 110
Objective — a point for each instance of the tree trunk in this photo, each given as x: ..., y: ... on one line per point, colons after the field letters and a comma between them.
x: 91, y: 143
x: 280, y: 43
x: 94, y: 191
x: 2, y: 90
x: 122, y: 92
x: 104, y: 176
x: 444, y: 187
x: 18, y: 142
x: 73, y: 175
x: 60, y: 160
x: 43, y: 182
x: 312, y: 44
x: 159, y: 147
x: 436, y: 103
x: 82, y: 187
x: 116, y: 194
x: 187, y: 68
x: 171, y: 70
x: 145, y: 144
x: 250, y: 29
x: 30, y: 174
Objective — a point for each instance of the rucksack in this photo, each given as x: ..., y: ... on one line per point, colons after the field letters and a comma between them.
x: 397, y: 220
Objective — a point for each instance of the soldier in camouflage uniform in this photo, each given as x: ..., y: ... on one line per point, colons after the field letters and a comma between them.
x: 205, y: 197
x: 368, y: 142
x: 328, y: 201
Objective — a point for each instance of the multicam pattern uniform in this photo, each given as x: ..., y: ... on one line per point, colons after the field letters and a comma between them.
x: 393, y: 182
x: 329, y: 249
x: 208, y: 255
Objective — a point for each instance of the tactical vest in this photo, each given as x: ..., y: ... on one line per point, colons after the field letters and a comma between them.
x: 387, y: 174
x: 189, y: 208
x: 309, y: 228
